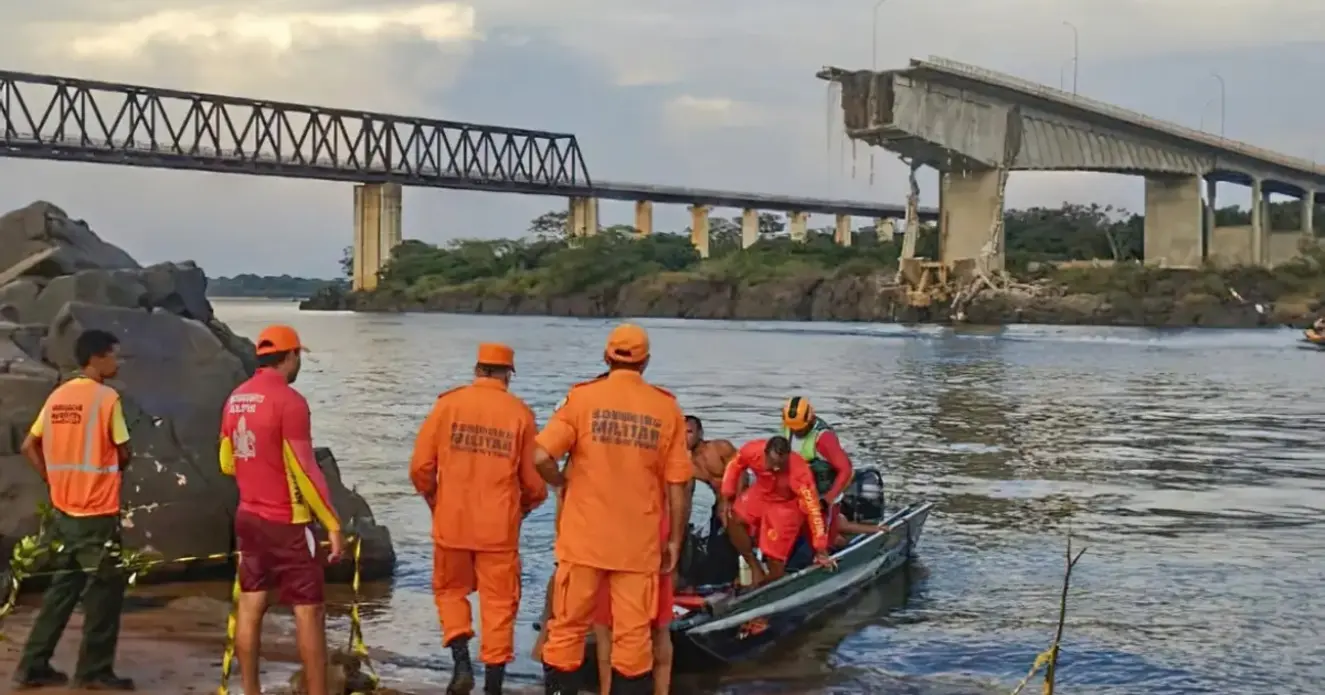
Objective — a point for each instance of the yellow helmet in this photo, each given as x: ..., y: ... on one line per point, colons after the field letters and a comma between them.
x: 797, y: 413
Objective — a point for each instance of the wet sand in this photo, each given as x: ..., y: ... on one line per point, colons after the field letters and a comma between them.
x: 172, y: 639
x: 167, y: 646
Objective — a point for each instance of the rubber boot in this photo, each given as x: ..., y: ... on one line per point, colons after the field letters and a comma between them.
x: 559, y: 682
x: 639, y: 685
x: 462, y: 673
x: 493, y: 676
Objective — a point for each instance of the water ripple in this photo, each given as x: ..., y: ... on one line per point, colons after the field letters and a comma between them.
x: 1187, y: 461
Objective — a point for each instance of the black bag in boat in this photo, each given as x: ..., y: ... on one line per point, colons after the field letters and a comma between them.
x: 707, y: 559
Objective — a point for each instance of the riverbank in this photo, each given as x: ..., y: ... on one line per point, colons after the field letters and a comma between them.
x: 172, y: 639
x: 168, y: 646
x: 1125, y: 295
x: 621, y: 273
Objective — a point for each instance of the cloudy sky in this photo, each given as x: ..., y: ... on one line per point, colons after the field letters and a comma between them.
x: 712, y: 93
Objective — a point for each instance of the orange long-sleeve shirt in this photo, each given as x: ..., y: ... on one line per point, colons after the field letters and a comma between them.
x: 474, y: 456
x: 626, y: 438
x: 792, y: 485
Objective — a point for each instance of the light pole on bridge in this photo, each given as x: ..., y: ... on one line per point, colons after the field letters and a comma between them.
x: 1223, y: 101
x: 874, y: 62
x: 1076, y: 54
x: 874, y: 45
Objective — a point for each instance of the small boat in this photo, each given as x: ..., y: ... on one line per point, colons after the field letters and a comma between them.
x: 1314, y: 337
x: 717, y: 625
x: 741, y: 627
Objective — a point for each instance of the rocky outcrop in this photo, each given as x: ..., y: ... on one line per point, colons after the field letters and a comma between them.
x: 178, y: 365
x: 1190, y: 299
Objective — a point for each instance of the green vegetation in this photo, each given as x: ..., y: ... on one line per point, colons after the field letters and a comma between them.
x: 619, y: 268
x: 545, y: 262
x: 282, y: 287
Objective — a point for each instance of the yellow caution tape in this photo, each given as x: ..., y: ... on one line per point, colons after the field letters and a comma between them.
x: 231, y: 625
x: 1041, y: 660
x: 27, y: 553
x: 357, y: 645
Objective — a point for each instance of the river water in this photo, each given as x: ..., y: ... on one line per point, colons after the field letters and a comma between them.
x: 1187, y: 463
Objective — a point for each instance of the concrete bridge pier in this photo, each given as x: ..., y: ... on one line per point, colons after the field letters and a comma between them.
x: 884, y: 229
x: 1308, y: 214
x: 797, y: 226
x: 1175, y: 218
x: 377, y: 231
x: 969, y: 202
x: 1283, y: 245
x: 749, y: 227
x: 1237, y: 244
x: 644, y: 217
x: 1260, y: 224
x: 582, y: 217
x: 842, y: 231
x: 699, y: 229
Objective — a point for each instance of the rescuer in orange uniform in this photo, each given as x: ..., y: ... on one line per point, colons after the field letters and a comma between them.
x: 662, y: 627
x: 473, y: 463
x: 775, y: 508
x: 79, y: 445
x: 267, y: 445
x: 627, y: 439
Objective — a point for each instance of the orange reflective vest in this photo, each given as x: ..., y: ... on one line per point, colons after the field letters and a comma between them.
x: 82, y: 461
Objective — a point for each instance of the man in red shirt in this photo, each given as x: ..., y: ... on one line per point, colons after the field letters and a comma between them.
x: 267, y: 445
x: 775, y: 508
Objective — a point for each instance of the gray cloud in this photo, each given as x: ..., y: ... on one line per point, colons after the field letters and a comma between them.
x: 709, y: 94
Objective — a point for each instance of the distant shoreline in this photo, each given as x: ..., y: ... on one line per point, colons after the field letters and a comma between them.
x: 847, y: 299
x: 282, y: 297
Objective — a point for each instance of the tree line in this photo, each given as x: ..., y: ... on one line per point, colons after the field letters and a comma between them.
x: 267, y: 286
x: 545, y: 259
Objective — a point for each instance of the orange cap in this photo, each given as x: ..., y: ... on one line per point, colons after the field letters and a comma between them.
x: 496, y: 355
x: 279, y: 338
x: 628, y: 343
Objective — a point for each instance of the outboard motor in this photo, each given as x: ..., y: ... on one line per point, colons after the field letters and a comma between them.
x: 863, y: 501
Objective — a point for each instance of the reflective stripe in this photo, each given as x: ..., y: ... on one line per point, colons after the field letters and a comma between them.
x: 83, y: 468
x: 91, y: 425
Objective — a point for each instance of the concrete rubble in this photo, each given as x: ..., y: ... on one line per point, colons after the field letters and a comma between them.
x: 179, y: 363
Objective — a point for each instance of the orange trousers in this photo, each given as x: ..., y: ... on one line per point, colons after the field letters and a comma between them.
x: 574, y: 600
x: 496, y: 576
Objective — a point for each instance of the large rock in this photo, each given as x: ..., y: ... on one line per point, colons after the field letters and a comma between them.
x: 378, y: 558
x: 178, y: 366
x: 180, y: 288
x: 120, y: 288
x: 18, y: 299
x: 42, y: 225
x: 172, y: 367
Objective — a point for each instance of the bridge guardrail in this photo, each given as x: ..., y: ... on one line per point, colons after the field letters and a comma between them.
x: 1046, y: 92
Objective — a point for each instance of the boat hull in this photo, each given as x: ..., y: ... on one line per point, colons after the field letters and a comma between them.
x: 748, y: 626
x: 743, y: 628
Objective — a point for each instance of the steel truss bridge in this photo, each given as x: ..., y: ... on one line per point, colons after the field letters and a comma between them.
x: 58, y: 118
x: 69, y: 119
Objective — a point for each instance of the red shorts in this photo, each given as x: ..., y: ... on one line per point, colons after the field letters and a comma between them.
x: 776, y: 523
x: 281, y: 557
x: 666, y: 600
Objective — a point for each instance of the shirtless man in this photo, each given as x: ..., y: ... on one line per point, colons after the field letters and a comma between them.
x: 710, y: 458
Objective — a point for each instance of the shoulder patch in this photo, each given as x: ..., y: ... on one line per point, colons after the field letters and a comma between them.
x: 594, y: 380
x: 664, y: 391
x: 448, y: 392
x: 581, y: 384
